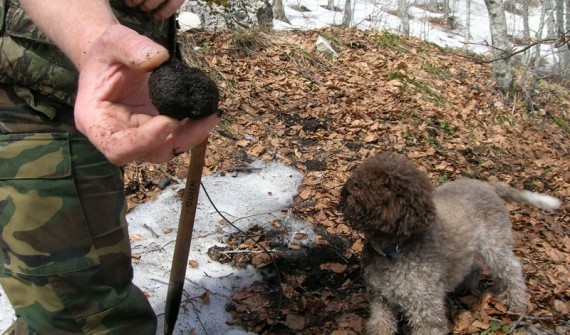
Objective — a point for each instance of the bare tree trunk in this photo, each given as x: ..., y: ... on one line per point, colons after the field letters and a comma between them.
x: 564, y: 27
x: 567, y: 15
x: 526, y: 24
x: 446, y: 9
x: 347, y: 17
x: 279, y: 11
x: 439, y: 6
x: 559, y: 6
x: 468, y: 24
x: 549, y: 8
x: 330, y: 5
x: 403, y: 8
x: 502, y: 67
x: 531, y: 71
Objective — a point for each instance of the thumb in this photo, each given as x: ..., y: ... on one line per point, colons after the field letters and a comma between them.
x: 132, y: 49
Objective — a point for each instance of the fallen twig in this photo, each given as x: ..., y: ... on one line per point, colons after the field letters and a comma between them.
x: 151, y: 230
x: 168, y: 175
x: 245, y: 251
x: 524, y: 317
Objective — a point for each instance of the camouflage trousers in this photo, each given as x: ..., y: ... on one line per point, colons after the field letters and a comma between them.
x: 65, y: 261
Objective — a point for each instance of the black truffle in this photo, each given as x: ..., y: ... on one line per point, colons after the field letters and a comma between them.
x: 180, y: 91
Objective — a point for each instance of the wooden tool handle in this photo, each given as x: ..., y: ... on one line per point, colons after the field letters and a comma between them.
x: 184, y: 237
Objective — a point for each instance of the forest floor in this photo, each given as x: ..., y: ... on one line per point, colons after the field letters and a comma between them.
x: 283, y: 101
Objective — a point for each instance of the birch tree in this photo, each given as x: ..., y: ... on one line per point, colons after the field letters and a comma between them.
x: 330, y: 5
x: 563, y: 26
x: 559, y: 7
x: 531, y: 72
x: 279, y: 11
x: 438, y: 5
x: 568, y: 16
x: 526, y: 24
x: 467, y: 24
x: 347, y: 16
x: 403, y: 9
x: 550, y: 9
x: 502, y: 66
x: 446, y: 10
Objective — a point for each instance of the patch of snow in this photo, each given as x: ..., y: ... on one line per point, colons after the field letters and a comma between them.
x: 248, y: 199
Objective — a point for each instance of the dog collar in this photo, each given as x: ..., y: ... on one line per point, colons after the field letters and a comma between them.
x: 388, y: 252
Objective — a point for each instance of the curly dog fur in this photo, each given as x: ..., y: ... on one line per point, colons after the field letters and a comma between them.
x: 422, y: 243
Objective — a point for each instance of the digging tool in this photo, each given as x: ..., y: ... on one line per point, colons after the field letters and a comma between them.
x: 184, y: 237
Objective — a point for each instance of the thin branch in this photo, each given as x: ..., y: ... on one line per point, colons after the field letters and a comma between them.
x: 168, y: 175
x: 245, y: 251
x: 151, y: 230
x: 524, y: 317
x: 559, y: 41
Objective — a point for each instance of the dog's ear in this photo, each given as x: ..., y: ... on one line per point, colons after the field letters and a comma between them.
x: 417, y: 209
x: 354, y: 201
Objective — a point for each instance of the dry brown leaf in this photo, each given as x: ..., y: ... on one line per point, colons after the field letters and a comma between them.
x: 136, y: 238
x: 334, y: 267
x: 293, y: 246
x: 295, y: 321
x: 479, y: 324
x: 463, y: 321
x: 193, y: 264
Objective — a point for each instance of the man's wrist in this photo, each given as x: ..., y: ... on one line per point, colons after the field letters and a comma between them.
x: 75, y: 31
x: 106, y: 41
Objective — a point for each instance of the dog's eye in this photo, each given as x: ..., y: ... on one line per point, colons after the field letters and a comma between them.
x: 354, y: 185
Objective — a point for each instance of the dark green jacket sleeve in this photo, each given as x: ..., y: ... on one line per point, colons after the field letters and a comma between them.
x: 29, y: 59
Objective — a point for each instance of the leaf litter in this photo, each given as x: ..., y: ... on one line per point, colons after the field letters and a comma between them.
x: 284, y: 102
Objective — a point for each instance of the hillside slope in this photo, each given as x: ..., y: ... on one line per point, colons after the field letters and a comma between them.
x: 283, y: 101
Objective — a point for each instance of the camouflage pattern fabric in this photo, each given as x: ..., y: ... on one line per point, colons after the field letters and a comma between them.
x: 30, y: 59
x: 65, y: 260
x: 65, y: 263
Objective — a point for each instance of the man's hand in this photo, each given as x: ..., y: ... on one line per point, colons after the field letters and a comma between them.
x: 113, y: 108
x: 162, y: 8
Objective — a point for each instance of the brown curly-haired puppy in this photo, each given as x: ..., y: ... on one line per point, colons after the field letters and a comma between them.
x: 422, y: 243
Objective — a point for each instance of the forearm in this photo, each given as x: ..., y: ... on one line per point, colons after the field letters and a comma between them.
x: 73, y: 25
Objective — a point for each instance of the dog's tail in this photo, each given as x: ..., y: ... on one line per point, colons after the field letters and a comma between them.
x: 539, y: 200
